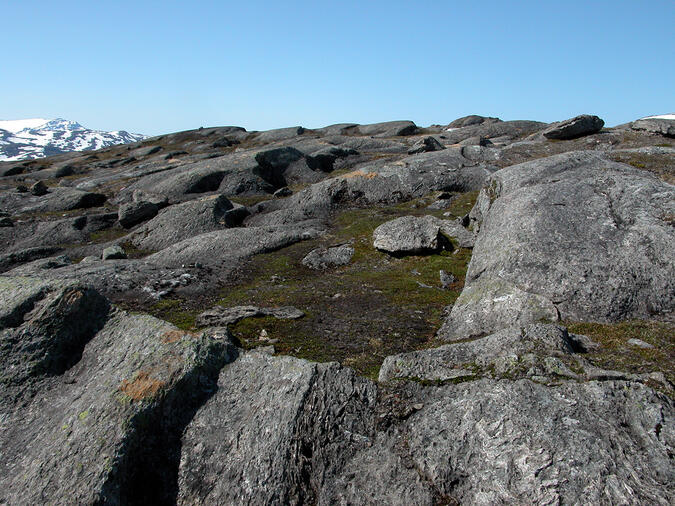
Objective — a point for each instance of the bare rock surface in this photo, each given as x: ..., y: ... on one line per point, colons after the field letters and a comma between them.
x: 323, y: 258
x: 658, y: 125
x: 604, y: 260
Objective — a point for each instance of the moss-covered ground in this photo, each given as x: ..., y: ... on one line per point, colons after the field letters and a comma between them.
x: 355, y: 314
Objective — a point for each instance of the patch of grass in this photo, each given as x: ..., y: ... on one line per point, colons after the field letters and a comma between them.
x: 615, y: 352
x: 356, y: 314
x: 133, y: 252
x: 107, y: 235
x: 174, y: 311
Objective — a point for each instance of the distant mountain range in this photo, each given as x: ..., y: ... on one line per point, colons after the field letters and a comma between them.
x: 38, y: 137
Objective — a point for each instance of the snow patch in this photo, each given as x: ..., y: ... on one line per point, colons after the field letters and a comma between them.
x: 661, y: 116
x: 16, y: 125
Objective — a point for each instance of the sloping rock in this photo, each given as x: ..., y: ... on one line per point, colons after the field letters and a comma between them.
x: 323, y: 258
x: 472, y: 120
x: 505, y: 352
x: 279, y: 134
x: 389, y: 129
x: 574, y: 127
x: 520, y: 442
x: 61, y: 199
x: 310, y: 418
x: 136, y: 212
x: 658, y: 125
x: 230, y: 246
x: 219, y: 316
x: 408, y: 235
x: 182, y: 221
x: 540, y: 254
x: 38, y: 189
x: 104, y: 380
x: 490, y: 130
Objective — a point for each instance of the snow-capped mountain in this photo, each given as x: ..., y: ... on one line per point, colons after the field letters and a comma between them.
x: 38, y: 137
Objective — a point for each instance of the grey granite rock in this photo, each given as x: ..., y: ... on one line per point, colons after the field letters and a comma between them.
x: 656, y: 125
x: 136, y: 212
x: 578, y: 126
x: 219, y: 316
x: 600, y: 261
x: 115, y: 252
x: 425, y: 145
x: 323, y: 258
x: 408, y: 235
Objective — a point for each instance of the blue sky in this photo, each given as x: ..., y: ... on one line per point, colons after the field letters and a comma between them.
x: 156, y: 67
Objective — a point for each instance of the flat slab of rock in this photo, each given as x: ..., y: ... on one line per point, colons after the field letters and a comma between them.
x: 219, y: 316
x: 578, y: 126
x: 324, y: 258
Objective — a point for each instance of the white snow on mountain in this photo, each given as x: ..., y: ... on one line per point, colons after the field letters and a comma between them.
x: 17, y: 125
x: 36, y: 138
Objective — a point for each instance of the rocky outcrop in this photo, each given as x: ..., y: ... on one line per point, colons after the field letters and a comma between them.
x: 574, y: 127
x: 664, y: 125
x: 599, y: 261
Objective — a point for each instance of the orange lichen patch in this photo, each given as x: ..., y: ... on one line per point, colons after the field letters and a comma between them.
x: 173, y: 336
x: 72, y: 297
x: 360, y: 173
x: 141, y: 387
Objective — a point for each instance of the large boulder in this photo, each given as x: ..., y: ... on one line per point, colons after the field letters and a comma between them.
x: 541, y: 254
x: 389, y: 129
x: 578, y: 126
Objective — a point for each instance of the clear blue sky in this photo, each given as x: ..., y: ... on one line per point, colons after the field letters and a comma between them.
x: 155, y: 67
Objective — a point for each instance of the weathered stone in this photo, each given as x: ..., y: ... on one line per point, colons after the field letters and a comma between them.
x: 663, y: 125
x: 575, y: 127
x: 38, y: 189
x: 408, y: 235
x: 447, y: 278
x: 323, y: 258
x: 113, y: 253
x: 136, y: 212
x: 597, y: 261
x: 219, y: 316
x: 425, y: 145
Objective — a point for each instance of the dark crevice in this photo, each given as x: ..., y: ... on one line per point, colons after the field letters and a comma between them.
x: 147, y: 471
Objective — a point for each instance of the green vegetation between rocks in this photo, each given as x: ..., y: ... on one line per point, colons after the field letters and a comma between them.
x: 616, y: 353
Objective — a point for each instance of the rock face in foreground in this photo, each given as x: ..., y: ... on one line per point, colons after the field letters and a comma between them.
x: 574, y: 236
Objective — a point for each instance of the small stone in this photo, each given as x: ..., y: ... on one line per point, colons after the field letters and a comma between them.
x: 39, y: 189
x: 639, y: 343
x: 113, y: 253
x: 263, y: 335
x: 446, y: 278
x: 418, y: 406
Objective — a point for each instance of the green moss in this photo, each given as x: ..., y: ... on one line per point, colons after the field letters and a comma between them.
x: 615, y: 353
x: 176, y: 312
x: 83, y: 416
x: 107, y: 235
x: 134, y: 252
